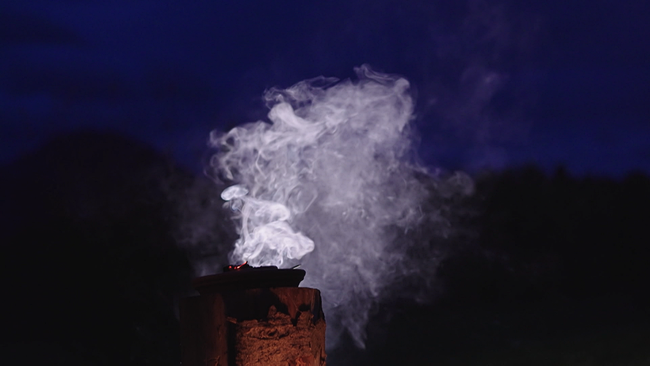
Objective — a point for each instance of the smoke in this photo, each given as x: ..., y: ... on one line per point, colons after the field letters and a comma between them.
x: 330, y: 183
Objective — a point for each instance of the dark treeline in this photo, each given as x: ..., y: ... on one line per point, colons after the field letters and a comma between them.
x: 540, y: 235
x: 547, y: 269
x: 92, y: 270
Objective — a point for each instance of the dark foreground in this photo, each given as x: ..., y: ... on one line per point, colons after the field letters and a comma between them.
x: 548, y: 269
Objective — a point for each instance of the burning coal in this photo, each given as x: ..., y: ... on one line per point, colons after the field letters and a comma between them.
x: 329, y: 183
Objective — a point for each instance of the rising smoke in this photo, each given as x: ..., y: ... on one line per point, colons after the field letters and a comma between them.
x: 331, y: 184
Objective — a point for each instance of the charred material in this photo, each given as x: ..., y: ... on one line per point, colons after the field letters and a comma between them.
x: 244, y: 277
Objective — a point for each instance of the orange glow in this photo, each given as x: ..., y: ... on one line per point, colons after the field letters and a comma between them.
x: 235, y: 268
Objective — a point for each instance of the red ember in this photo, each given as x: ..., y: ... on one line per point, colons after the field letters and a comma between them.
x: 238, y: 267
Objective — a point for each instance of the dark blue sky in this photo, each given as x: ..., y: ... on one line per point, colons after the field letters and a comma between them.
x: 498, y: 83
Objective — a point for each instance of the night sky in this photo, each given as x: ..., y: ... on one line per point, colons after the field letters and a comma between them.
x: 497, y: 84
x: 544, y: 103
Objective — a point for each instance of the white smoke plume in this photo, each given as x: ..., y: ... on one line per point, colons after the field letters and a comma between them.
x: 329, y: 183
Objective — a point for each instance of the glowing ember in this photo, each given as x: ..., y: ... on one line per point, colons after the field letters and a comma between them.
x: 244, y: 265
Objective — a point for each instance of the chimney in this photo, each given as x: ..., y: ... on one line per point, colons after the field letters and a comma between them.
x: 253, y: 316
